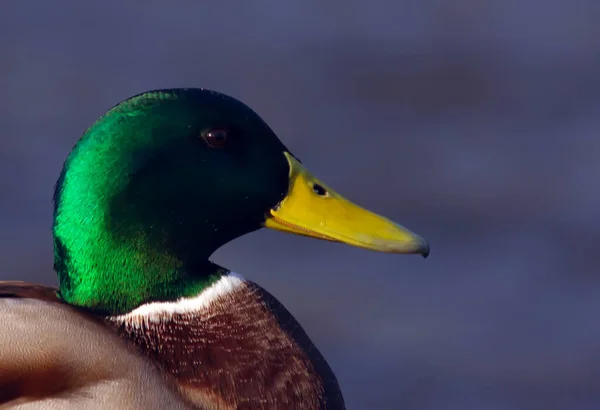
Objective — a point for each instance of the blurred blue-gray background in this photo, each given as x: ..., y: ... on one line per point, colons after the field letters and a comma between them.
x: 473, y: 123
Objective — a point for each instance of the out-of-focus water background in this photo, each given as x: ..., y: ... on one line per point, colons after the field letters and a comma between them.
x: 473, y: 123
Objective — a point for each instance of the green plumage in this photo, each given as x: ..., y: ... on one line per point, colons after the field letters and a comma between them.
x: 143, y: 200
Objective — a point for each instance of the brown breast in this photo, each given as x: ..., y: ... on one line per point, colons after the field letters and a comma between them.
x: 245, y: 352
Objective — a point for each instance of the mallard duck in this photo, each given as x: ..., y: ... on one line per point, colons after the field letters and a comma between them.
x: 141, y: 318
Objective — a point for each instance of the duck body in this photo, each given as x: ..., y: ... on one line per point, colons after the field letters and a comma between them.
x: 141, y: 317
x: 175, y: 353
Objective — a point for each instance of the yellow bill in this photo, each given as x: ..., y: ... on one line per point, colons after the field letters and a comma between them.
x: 313, y: 209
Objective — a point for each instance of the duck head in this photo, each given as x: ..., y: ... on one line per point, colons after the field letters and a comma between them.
x: 165, y: 178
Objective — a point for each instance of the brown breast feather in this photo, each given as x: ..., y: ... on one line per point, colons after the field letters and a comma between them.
x: 245, y: 352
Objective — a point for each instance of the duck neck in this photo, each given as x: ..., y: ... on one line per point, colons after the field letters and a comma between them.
x: 118, y: 279
x: 112, y: 264
x: 119, y: 244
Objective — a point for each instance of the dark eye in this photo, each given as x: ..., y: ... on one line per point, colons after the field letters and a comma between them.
x: 216, y: 138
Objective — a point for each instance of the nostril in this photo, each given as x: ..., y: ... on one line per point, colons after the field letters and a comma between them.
x: 319, y: 190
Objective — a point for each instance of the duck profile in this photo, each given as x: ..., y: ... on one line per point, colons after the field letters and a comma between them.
x: 141, y: 318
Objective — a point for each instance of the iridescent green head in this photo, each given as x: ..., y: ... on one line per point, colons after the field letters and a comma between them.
x: 165, y: 178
